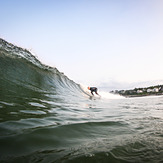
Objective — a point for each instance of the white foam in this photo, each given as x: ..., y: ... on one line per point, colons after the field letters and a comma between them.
x: 107, y: 95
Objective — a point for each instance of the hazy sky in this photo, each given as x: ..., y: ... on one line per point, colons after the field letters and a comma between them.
x: 91, y: 41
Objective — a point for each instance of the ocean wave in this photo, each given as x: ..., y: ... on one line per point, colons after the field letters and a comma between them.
x: 19, y: 68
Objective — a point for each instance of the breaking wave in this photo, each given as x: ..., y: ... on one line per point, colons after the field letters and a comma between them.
x: 19, y: 68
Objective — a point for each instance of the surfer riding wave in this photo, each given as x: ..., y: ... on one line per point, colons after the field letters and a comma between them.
x: 93, y: 89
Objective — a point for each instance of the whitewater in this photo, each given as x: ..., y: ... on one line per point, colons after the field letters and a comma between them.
x: 47, y: 117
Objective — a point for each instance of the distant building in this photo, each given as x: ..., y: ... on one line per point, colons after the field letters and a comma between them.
x: 156, y: 89
x: 153, y: 90
x: 149, y: 90
x: 139, y: 91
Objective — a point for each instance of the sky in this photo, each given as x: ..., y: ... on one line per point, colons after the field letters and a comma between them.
x: 91, y: 41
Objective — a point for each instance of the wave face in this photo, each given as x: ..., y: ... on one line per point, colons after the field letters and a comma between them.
x: 21, y: 72
x: 46, y: 117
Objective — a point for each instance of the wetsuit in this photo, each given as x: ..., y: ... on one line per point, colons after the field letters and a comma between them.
x: 93, y: 89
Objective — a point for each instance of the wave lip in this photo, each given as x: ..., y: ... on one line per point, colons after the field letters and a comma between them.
x: 18, y: 52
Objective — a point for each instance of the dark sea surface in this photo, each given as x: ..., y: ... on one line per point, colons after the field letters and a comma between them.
x: 46, y: 117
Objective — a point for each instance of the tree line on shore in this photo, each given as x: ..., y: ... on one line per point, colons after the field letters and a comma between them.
x: 152, y: 90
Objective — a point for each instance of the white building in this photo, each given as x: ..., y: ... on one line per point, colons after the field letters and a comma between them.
x: 156, y: 89
x: 139, y: 91
x: 153, y: 90
x: 149, y: 90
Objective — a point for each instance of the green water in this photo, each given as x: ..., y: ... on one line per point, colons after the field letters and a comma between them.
x: 46, y: 130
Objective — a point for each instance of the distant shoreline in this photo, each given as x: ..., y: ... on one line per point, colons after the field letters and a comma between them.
x: 141, y: 92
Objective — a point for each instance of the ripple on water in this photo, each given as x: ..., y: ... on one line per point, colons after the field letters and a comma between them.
x: 37, y: 112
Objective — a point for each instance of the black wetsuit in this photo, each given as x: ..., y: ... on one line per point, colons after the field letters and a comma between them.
x: 93, y: 89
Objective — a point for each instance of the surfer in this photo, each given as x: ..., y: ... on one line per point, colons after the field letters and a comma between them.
x: 93, y: 89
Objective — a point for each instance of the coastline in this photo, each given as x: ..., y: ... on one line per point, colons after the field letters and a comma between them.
x: 141, y: 92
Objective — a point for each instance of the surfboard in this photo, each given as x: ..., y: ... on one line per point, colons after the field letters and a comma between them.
x: 95, y: 97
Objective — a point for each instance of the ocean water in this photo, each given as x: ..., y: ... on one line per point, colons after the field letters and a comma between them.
x: 46, y: 117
